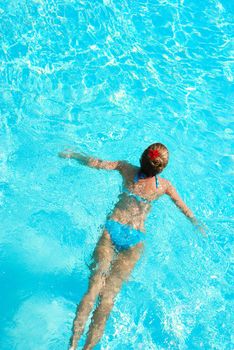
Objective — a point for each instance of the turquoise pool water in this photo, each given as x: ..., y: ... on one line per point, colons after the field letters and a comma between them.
x: 108, y: 78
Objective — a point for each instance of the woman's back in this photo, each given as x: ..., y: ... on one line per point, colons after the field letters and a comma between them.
x: 138, y: 193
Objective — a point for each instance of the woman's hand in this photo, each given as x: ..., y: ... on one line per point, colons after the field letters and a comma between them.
x: 66, y: 154
x: 200, y: 226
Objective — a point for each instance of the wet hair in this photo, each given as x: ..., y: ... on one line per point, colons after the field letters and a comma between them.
x: 154, y: 159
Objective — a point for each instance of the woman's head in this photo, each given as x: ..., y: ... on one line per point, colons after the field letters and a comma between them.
x: 154, y: 159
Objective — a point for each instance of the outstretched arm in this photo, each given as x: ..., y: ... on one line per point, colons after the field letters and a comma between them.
x: 171, y: 191
x: 90, y: 161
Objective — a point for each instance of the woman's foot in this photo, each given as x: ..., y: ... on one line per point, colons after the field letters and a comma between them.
x: 72, y: 345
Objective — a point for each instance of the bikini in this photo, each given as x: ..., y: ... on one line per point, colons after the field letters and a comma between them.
x: 125, y: 236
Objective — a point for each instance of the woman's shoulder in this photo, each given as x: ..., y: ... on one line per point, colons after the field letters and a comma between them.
x: 125, y: 165
x: 164, y: 183
x: 128, y: 171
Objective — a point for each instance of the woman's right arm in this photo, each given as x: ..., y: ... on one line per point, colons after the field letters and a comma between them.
x: 94, y: 162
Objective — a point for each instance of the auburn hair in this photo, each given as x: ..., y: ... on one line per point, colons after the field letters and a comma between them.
x: 154, y: 159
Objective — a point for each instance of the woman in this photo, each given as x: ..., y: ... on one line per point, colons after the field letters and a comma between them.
x: 121, y: 243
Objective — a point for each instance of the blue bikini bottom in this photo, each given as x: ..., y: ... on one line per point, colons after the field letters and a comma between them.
x: 123, y: 236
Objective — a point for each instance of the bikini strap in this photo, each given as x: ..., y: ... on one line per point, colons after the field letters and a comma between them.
x: 142, y: 176
x: 156, y: 180
x: 138, y: 176
x: 136, y: 196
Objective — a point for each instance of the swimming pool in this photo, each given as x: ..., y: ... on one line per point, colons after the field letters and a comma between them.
x: 108, y: 78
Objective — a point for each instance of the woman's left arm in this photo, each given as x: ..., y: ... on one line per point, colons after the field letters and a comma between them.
x: 171, y: 191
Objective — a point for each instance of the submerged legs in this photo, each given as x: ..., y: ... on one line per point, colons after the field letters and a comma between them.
x: 120, y: 271
x: 103, y: 255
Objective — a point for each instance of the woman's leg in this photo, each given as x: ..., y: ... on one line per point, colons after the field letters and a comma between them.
x: 120, y: 270
x: 102, y: 256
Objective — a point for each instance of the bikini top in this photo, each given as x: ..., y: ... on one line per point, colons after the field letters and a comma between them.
x: 137, y: 177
